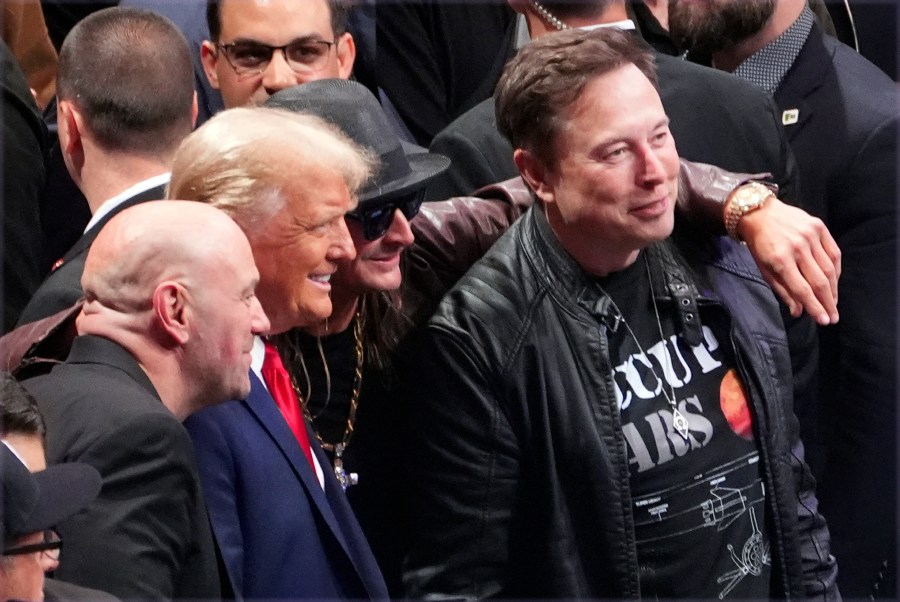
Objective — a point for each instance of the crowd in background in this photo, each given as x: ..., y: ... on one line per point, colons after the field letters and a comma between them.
x: 347, y: 390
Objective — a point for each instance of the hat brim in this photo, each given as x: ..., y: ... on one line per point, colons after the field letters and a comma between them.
x: 424, y: 167
x: 64, y: 490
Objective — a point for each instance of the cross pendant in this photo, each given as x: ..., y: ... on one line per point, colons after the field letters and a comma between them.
x: 346, y: 479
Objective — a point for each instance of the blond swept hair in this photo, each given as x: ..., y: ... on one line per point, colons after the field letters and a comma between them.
x: 240, y: 161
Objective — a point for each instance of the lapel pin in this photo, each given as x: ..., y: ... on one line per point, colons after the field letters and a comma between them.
x: 790, y: 117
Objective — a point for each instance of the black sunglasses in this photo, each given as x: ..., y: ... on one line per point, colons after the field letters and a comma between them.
x: 377, y: 219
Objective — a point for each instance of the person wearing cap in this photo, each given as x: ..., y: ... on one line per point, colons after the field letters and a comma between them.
x: 22, y: 429
x: 282, y: 522
x: 32, y: 505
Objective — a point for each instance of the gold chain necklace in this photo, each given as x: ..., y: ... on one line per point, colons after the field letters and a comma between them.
x: 346, y: 479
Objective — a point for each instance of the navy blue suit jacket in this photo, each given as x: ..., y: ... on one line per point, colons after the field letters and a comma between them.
x: 845, y: 142
x: 281, y: 535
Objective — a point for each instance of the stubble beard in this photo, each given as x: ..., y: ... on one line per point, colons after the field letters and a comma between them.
x: 707, y: 27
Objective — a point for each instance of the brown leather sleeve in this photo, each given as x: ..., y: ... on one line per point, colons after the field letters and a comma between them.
x: 452, y: 235
x: 35, y: 347
x: 703, y: 188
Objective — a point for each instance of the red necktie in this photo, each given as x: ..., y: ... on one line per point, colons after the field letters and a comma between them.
x: 279, y: 383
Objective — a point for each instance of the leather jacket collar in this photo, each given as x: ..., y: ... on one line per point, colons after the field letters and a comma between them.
x: 672, y: 279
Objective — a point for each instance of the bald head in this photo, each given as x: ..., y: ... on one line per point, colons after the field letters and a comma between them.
x: 150, y: 243
x: 174, y: 282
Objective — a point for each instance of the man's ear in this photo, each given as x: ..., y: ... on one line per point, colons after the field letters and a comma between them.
x: 70, y: 130
x: 346, y: 55
x: 538, y: 177
x: 69, y: 123
x: 209, y: 56
x: 173, y: 314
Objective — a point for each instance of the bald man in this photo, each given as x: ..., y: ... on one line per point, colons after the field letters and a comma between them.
x: 166, y: 329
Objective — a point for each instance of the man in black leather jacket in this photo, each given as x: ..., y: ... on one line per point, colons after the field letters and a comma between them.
x: 603, y: 409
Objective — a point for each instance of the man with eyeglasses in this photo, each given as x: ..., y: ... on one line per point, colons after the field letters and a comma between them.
x: 258, y: 47
x: 22, y: 429
x: 32, y: 505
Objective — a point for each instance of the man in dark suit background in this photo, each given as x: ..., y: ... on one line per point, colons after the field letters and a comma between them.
x: 715, y: 119
x: 166, y: 329
x: 126, y: 100
x: 840, y: 113
x: 282, y: 522
x: 23, y: 149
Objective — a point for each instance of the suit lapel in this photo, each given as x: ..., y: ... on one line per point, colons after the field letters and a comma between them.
x: 262, y: 406
x: 353, y: 539
x: 803, y: 79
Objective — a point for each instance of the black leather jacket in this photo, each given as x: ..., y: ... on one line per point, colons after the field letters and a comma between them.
x: 520, y: 466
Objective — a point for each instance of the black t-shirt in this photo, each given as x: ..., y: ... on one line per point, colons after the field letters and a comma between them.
x: 375, y: 451
x: 699, y: 502
x: 328, y: 382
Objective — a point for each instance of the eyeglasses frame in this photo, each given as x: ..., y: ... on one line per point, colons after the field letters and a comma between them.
x: 50, y: 547
x: 242, y: 71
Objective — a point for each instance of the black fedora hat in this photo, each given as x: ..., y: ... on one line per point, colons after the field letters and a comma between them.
x: 36, y: 501
x: 350, y: 106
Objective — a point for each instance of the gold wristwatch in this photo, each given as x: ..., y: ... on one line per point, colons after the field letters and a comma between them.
x: 745, y: 199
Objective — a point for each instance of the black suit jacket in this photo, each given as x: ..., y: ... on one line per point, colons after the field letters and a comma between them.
x: 60, y: 591
x: 62, y: 287
x: 23, y: 147
x: 845, y: 141
x: 716, y: 118
x: 147, y: 535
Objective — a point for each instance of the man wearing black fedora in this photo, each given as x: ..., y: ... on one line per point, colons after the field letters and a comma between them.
x: 32, y: 505
x: 343, y: 366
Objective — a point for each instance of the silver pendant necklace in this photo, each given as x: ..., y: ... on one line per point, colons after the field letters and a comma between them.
x: 679, y: 421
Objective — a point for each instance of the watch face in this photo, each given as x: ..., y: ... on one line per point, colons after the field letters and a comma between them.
x: 751, y: 196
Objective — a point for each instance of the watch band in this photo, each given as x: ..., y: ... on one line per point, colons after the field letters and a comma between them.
x: 745, y: 199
